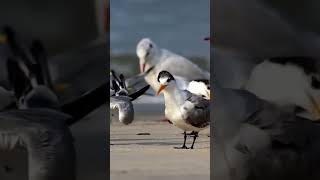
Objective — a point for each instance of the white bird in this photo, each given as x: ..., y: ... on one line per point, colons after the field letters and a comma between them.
x: 122, y: 109
x: 164, y: 60
x: 255, y: 139
x: 185, y: 110
x: 291, y: 82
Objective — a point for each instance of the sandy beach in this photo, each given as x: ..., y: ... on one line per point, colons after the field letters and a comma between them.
x: 145, y: 150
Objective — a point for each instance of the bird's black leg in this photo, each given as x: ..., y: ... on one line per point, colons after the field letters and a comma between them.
x: 184, y: 143
x: 192, y: 133
x: 194, y: 139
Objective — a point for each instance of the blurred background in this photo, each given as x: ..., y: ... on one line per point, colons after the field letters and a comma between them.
x: 249, y: 31
x: 74, y: 37
x: 178, y: 27
x: 264, y: 27
x: 72, y: 33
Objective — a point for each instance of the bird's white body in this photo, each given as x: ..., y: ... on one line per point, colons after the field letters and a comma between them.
x: 173, y: 110
x: 199, y: 88
x: 176, y: 108
x: 121, y: 109
x: 163, y: 59
x: 283, y: 85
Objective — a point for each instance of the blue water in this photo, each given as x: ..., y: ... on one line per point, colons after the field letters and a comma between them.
x: 178, y: 25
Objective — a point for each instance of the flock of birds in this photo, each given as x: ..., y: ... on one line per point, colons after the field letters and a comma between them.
x: 266, y: 129
x: 31, y: 116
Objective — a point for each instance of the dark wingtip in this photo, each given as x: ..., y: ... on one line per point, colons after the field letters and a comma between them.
x: 140, y: 92
x: 115, y: 85
x: 122, y: 81
x: 17, y: 77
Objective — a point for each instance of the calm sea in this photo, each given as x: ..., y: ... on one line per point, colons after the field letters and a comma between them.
x: 178, y: 25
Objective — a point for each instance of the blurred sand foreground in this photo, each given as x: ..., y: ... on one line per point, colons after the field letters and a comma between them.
x: 152, y: 156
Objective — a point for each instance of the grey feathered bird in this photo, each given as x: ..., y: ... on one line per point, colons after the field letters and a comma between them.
x: 254, y: 139
x: 44, y: 136
x: 121, y: 100
x: 185, y: 110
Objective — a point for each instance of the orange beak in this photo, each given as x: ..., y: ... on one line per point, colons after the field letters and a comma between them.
x: 162, y: 87
x: 142, y: 67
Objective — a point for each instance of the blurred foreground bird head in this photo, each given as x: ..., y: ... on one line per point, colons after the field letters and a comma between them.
x: 39, y: 97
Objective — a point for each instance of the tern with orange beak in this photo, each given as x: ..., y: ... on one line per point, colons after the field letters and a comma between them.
x: 188, y: 111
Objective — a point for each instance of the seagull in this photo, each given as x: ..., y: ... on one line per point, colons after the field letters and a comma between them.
x: 162, y: 59
x: 185, y: 110
x: 291, y: 82
x: 256, y: 139
x: 121, y: 100
x: 123, y: 107
x: 118, y: 85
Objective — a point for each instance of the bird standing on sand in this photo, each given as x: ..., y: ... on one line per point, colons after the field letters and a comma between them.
x: 185, y: 110
x: 164, y: 60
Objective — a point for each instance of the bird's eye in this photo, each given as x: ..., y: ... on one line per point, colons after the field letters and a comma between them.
x: 150, y: 45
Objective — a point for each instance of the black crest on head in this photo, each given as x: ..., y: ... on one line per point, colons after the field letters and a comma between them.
x: 163, y: 74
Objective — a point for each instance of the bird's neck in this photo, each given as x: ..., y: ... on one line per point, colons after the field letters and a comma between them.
x: 172, y: 94
x: 154, y: 58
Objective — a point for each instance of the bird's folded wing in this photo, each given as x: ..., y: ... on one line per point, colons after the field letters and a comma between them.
x: 196, y: 110
x: 284, y: 128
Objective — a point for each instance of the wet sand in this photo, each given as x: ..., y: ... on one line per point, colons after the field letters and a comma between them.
x: 152, y: 154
